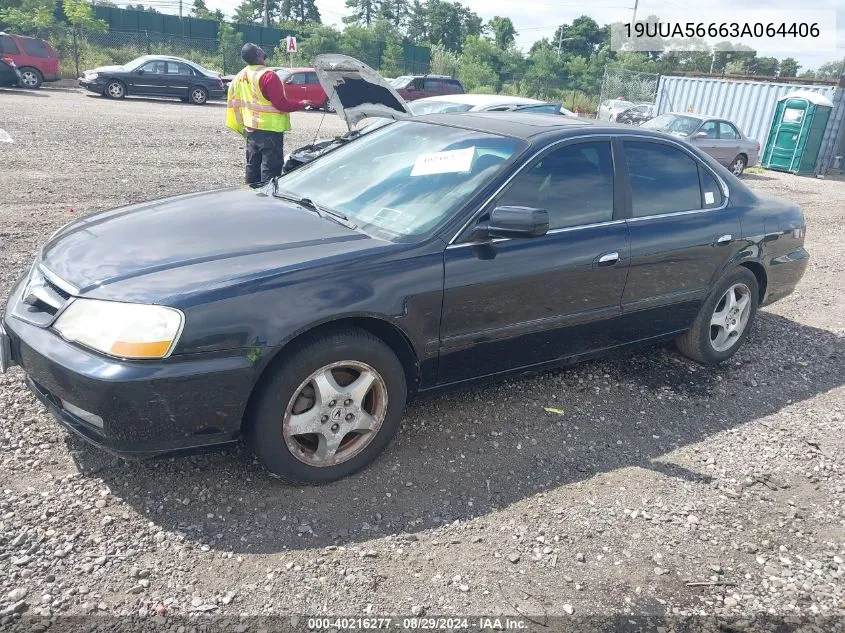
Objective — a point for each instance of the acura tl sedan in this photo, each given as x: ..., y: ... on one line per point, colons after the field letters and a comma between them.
x: 155, y: 76
x: 303, y: 313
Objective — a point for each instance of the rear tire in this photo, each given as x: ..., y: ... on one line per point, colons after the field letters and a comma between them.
x: 198, y: 95
x: 327, y: 106
x: 720, y: 329
x: 31, y: 78
x: 738, y: 165
x: 329, y: 409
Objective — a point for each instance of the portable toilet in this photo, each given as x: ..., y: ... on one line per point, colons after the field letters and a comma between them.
x: 795, y: 137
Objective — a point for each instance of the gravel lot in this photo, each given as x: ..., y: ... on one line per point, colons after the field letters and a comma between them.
x: 659, y: 472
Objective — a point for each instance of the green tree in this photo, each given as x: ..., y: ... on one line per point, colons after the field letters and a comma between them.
x: 789, y: 67
x: 417, y: 24
x: 358, y: 42
x: 363, y: 11
x: 321, y: 39
x: 831, y: 70
x: 393, y: 58
x: 253, y: 11
x: 80, y: 14
x: 231, y: 42
x: 28, y: 16
x: 582, y: 38
x: 765, y: 66
x: 443, y: 61
x: 396, y: 12
x: 449, y: 23
x: 502, y: 31
x: 546, y: 74
x: 300, y: 11
x: 141, y: 7
x: 479, y: 65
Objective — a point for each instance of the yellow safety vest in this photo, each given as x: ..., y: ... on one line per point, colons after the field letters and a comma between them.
x: 246, y: 106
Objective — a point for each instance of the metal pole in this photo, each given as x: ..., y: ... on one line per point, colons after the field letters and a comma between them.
x: 634, y: 18
x: 180, y: 9
x: 266, y: 14
x: 560, y: 40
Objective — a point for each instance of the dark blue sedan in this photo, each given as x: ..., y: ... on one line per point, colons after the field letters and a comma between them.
x: 432, y: 252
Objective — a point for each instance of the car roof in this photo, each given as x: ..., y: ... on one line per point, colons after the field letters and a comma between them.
x: 480, y: 100
x: 524, y: 125
x: 299, y: 69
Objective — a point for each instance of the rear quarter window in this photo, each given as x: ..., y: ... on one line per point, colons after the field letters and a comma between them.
x: 7, y: 45
x: 36, y: 48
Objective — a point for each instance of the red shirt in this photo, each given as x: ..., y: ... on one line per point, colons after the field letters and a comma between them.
x: 274, y: 91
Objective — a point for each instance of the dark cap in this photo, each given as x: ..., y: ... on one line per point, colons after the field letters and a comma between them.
x: 251, y: 53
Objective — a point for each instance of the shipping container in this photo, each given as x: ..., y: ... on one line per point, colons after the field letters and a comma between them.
x: 749, y: 104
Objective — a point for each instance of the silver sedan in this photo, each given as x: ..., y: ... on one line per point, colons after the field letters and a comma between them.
x: 720, y: 138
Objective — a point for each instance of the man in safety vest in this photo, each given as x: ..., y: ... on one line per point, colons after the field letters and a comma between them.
x: 258, y: 108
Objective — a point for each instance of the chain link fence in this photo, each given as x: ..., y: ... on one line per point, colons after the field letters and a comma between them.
x: 627, y: 85
x: 81, y: 50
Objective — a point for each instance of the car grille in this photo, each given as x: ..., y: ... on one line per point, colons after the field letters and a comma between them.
x: 42, y: 299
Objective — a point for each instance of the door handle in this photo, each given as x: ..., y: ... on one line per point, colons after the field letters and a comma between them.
x: 608, y: 259
x: 724, y: 239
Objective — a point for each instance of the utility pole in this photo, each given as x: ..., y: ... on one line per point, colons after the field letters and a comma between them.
x: 634, y: 19
x: 266, y: 14
x: 180, y: 9
x: 560, y: 40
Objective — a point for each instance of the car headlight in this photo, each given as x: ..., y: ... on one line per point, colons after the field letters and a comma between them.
x: 91, y: 75
x: 124, y: 330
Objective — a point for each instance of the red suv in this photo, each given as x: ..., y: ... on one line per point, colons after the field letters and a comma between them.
x: 411, y: 87
x: 302, y: 84
x: 35, y: 58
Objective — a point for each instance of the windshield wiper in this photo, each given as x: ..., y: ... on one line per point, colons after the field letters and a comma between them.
x: 322, y: 211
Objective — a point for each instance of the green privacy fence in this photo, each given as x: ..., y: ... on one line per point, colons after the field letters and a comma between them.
x: 160, y: 27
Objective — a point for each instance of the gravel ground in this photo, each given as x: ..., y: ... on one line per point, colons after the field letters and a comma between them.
x: 658, y: 473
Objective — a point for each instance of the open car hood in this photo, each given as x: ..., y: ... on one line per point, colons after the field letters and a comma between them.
x: 356, y: 91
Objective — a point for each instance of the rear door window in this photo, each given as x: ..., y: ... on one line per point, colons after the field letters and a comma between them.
x: 35, y: 48
x: 174, y: 68
x: 299, y: 79
x: 433, y: 85
x: 728, y: 131
x: 8, y: 46
x: 311, y: 78
x: 664, y: 179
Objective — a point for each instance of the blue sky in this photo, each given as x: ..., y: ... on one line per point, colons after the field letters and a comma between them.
x: 535, y: 19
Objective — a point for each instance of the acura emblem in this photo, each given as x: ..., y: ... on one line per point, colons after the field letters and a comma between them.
x: 337, y: 415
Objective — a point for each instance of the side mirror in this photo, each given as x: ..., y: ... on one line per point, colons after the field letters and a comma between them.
x: 518, y: 222
x: 140, y: 71
x: 701, y: 135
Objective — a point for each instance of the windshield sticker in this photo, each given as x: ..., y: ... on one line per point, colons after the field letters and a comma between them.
x: 451, y: 162
x: 709, y: 198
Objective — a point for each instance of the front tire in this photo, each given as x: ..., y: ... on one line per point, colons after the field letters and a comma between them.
x: 329, y: 409
x: 115, y: 90
x: 31, y: 78
x: 724, y: 320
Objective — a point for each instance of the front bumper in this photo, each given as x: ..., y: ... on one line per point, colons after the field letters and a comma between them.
x: 94, y: 86
x: 134, y: 408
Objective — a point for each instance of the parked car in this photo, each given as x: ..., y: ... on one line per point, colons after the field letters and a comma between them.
x: 155, y: 76
x: 610, y: 109
x: 36, y: 60
x: 412, y: 87
x: 302, y: 84
x: 720, y: 138
x: 434, y: 251
x: 637, y: 115
x: 9, y: 73
x: 485, y: 103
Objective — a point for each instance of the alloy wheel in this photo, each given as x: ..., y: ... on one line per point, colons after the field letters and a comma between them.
x: 335, y: 413
x: 730, y: 317
x: 29, y: 79
x: 115, y: 90
x: 198, y: 96
x: 738, y: 167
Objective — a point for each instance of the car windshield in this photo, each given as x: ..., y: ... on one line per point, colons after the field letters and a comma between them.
x: 136, y: 62
x: 400, y: 82
x: 403, y: 180
x: 620, y: 104
x: 283, y: 73
x: 435, y: 107
x: 673, y: 124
